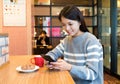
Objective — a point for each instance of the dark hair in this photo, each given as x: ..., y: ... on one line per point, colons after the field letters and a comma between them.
x: 73, y: 13
x: 43, y: 32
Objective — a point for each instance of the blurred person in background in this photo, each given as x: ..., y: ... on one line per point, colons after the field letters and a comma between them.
x: 43, y: 39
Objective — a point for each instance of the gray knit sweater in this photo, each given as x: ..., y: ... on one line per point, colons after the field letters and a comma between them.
x: 85, y: 54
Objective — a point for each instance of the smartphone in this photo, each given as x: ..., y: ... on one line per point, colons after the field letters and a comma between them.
x: 48, y: 58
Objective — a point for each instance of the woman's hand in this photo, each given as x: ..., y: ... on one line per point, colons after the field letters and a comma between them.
x: 47, y: 63
x: 60, y: 65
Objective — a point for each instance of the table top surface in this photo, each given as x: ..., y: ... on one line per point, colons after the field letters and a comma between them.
x: 43, y: 46
x: 9, y: 75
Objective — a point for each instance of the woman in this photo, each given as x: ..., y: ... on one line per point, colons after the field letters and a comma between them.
x: 43, y: 39
x: 83, y: 53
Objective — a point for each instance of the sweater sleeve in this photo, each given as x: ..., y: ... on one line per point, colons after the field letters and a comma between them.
x: 93, y: 62
x: 57, y: 51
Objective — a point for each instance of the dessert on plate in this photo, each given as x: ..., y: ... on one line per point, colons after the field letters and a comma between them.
x: 28, y: 67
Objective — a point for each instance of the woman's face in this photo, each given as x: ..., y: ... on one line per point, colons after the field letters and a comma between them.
x: 71, y: 26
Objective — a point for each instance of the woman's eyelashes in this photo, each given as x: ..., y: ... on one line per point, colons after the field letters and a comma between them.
x: 63, y: 25
x: 69, y: 24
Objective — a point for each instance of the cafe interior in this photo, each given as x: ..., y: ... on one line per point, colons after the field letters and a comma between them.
x: 23, y: 20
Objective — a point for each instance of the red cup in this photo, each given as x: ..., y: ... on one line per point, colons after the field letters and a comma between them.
x: 37, y: 60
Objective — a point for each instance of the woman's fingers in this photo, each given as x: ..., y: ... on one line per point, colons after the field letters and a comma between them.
x: 50, y: 66
x: 46, y: 62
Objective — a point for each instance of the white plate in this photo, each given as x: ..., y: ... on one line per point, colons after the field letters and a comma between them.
x: 21, y: 70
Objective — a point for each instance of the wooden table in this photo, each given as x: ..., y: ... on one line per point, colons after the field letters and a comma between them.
x: 9, y: 75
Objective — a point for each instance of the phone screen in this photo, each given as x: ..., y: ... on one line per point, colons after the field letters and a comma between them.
x: 48, y: 58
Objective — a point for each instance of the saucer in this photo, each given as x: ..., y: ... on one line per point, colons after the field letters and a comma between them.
x: 32, y: 70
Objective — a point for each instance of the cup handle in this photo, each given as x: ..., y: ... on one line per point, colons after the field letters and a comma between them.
x: 32, y: 60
